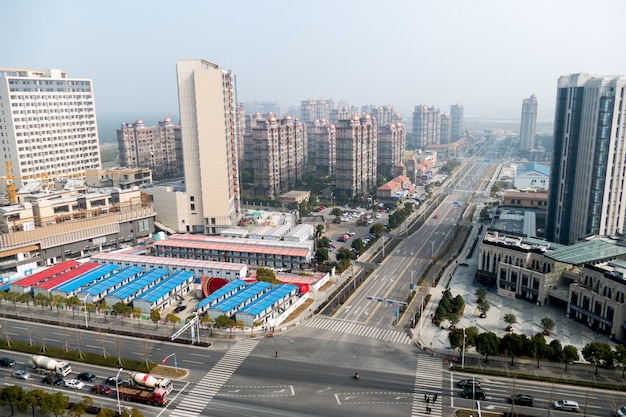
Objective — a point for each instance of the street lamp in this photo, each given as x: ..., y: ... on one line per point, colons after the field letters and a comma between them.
x: 463, y: 351
x: 169, y: 356
x: 432, y: 250
x: 331, y: 198
x: 117, y: 390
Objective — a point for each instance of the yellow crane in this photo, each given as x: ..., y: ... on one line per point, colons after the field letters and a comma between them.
x: 12, y: 194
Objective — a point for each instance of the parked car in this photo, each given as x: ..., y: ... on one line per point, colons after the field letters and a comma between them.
x: 523, y: 399
x: 86, y: 376
x: 7, y: 362
x: 621, y: 412
x: 53, y: 380
x: 478, y: 394
x: 179, y: 309
x: 467, y: 383
x: 565, y: 405
x: 101, y: 389
x: 21, y: 374
x: 112, y: 380
x: 74, y: 384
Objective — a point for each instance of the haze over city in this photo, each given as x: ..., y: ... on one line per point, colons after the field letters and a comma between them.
x: 487, y: 55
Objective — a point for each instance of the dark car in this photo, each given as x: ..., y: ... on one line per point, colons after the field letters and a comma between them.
x: 53, y: 380
x: 467, y: 383
x: 479, y: 394
x: 7, y: 362
x: 101, y: 389
x: 112, y: 381
x: 524, y: 399
x: 86, y: 376
x: 179, y: 309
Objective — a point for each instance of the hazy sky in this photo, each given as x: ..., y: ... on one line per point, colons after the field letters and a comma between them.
x: 486, y: 54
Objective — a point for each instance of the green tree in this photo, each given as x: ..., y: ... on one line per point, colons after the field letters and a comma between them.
x: 336, y: 211
x: 487, y: 344
x: 453, y: 318
x: 155, y: 316
x: 172, y: 318
x: 56, y: 404
x: 13, y: 297
x: 323, y: 242
x: 484, y: 307
x: 547, y: 324
x: 377, y: 229
x: 471, y: 336
x: 620, y: 357
x: 34, y: 399
x: 570, y: 355
x: 266, y: 275
x: 319, y: 231
x: 224, y: 321
x: 41, y: 300
x: 510, y: 319
x: 121, y: 309
x: 480, y: 294
x: 511, y: 344
x: 106, y: 412
x: 26, y: 298
x: 103, y: 308
x: 346, y: 254
x: 456, y: 339
x: 358, y: 245
x: 11, y: 396
x: 136, y: 313
x: 597, y: 353
x: 73, y: 302
x: 321, y: 255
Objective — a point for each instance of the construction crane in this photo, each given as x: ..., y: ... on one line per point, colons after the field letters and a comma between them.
x: 11, y: 193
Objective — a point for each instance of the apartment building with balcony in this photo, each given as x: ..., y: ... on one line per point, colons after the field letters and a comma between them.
x: 356, y: 156
x: 391, y: 145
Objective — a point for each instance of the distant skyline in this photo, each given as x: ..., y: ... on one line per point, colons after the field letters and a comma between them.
x: 487, y: 55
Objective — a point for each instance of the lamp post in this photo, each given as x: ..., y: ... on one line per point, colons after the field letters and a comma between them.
x: 463, y: 351
x: 331, y: 198
x: 421, y: 314
x: 117, y: 391
x: 169, y: 356
x: 432, y: 250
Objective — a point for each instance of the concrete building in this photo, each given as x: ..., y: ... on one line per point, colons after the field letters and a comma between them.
x: 311, y: 109
x: 445, y: 128
x: 154, y: 147
x: 122, y: 178
x: 426, y: 126
x: 390, y: 147
x: 589, y: 159
x: 323, y: 138
x: 279, y: 155
x: 456, y: 122
x: 528, y: 127
x: 342, y: 113
x: 49, y: 127
x: 533, y: 175
x: 209, y: 142
x: 356, y: 156
x: 52, y: 226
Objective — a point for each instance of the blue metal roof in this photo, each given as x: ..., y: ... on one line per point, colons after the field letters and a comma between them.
x: 237, y: 284
x: 86, y: 279
x: 251, y: 291
x: 165, y: 286
x: 139, y: 283
x: 268, y: 299
x: 533, y: 166
x: 110, y: 282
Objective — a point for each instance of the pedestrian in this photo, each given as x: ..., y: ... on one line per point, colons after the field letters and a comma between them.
x: 276, y: 353
x: 429, y: 410
x: 427, y: 399
x: 435, y: 398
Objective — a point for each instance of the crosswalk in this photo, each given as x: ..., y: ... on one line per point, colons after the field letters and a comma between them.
x: 203, y: 392
x: 358, y: 329
x: 427, y: 375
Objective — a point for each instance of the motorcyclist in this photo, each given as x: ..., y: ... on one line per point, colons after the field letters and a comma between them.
x: 356, y: 375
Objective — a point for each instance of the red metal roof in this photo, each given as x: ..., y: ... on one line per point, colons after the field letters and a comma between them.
x: 64, y: 277
x: 46, y: 274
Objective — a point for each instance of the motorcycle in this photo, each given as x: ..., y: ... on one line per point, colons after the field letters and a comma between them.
x: 356, y: 376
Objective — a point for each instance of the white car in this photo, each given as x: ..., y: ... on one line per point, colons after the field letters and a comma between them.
x: 565, y: 405
x: 621, y: 412
x: 74, y: 384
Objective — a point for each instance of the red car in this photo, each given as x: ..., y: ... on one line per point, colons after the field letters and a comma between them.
x: 101, y: 389
x: 436, y: 216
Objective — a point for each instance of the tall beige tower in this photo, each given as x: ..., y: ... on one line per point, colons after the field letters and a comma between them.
x: 207, y: 118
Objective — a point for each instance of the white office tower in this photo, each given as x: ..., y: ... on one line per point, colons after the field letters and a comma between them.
x: 528, y: 127
x: 207, y: 118
x: 588, y: 172
x: 48, y: 126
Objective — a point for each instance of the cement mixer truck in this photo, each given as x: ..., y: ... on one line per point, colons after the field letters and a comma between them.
x: 140, y: 379
x: 45, y: 365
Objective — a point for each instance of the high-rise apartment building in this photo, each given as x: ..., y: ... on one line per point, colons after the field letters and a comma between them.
x: 426, y: 126
x: 445, y: 127
x: 342, y: 113
x: 456, y: 121
x: 356, y: 156
x: 586, y: 195
x: 48, y: 125
x: 391, y: 145
x: 324, y: 138
x: 153, y: 147
x: 208, y: 118
x: 240, y: 127
x: 528, y: 127
x: 312, y: 109
x: 279, y: 154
